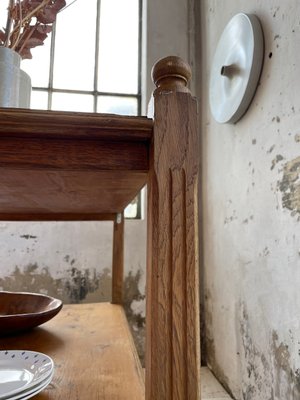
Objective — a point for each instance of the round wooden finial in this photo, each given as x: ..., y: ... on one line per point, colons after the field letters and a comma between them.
x: 171, y: 74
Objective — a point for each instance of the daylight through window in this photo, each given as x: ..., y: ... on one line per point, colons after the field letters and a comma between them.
x: 92, y: 61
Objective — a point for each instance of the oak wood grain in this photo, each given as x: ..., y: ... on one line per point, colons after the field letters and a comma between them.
x: 25, y: 123
x: 118, y: 259
x: 37, y: 192
x: 56, y: 165
x: 69, y: 155
x: 173, y: 333
x: 93, y: 352
x: 57, y: 217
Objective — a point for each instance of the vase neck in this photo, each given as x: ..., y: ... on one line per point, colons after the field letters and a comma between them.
x: 8, y: 55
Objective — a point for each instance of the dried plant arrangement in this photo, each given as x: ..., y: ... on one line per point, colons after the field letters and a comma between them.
x: 28, y: 24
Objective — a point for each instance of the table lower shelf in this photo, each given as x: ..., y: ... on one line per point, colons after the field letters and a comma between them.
x: 93, y: 352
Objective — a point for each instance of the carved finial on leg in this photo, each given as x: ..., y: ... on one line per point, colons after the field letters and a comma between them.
x: 171, y: 74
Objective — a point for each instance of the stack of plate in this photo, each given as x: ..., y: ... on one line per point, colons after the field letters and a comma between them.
x: 23, y: 374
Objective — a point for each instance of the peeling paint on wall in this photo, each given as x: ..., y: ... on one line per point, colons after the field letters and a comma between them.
x: 287, y: 380
x: 274, y: 378
x: 297, y: 138
x: 36, y: 257
x: 256, y: 379
x: 83, y: 285
x: 290, y: 186
x: 255, y: 260
x: 77, y: 285
x: 133, y: 299
x: 276, y: 160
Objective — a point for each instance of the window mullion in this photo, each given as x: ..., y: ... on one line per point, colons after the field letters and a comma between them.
x: 97, y: 54
x: 140, y: 11
x: 51, y: 67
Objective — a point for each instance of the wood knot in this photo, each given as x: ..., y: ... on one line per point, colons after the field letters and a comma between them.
x: 171, y: 74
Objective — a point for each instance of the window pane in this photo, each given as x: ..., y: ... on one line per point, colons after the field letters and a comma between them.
x: 117, y: 105
x: 39, y: 100
x: 72, y: 102
x: 75, y: 46
x: 38, y: 67
x: 118, y: 51
x: 131, y: 211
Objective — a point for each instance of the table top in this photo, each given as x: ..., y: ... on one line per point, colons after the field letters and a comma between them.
x: 70, y: 166
x: 92, y: 350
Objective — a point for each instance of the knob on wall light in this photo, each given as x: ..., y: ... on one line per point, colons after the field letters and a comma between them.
x: 236, y: 68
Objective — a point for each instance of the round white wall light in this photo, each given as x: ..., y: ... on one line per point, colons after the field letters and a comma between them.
x: 236, y: 68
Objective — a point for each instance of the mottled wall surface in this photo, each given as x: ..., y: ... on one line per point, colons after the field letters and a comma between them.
x: 72, y: 261
x: 251, y: 181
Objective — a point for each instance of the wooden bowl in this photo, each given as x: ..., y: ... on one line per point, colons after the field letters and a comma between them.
x: 21, y: 311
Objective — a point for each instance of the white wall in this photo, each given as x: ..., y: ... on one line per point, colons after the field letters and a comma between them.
x: 169, y: 30
x: 251, y: 195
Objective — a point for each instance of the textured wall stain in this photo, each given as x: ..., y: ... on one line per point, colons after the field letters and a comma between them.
x: 290, y: 186
x: 271, y: 149
x: 247, y: 220
x: 81, y: 285
x: 276, y: 160
x: 297, y: 138
x: 275, y: 12
x: 233, y: 217
x: 256, y: 378
x: 287, y: 380
x: 277, y: 119
x: 67, y: 258
x: 74, y: 287
x: 269, y: 373
x: 137, y: 321
x: 265, y: 252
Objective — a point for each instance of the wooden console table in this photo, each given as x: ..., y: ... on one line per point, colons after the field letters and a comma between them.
x: 77, y: 166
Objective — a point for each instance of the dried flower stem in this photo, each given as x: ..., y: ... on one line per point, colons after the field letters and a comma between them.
x: 30, y: 33
x: 9, y: 22
x: 19, y: 32
x: 28, y: 24
x: 29, y: 16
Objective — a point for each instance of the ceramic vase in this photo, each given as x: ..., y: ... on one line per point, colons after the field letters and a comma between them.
x: 15, y: 84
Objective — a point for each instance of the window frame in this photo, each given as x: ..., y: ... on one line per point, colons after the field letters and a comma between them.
x: 50, y: 89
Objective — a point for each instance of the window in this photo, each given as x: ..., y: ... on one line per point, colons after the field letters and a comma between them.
x: 91, y: 62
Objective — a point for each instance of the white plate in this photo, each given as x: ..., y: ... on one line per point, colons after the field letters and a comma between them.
x: 21, y: 370
x: 27, y: 394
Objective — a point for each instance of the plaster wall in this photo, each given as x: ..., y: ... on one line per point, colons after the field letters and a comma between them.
x: 73, y: 261
x: 168, y: 30
x: 251, y: 214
